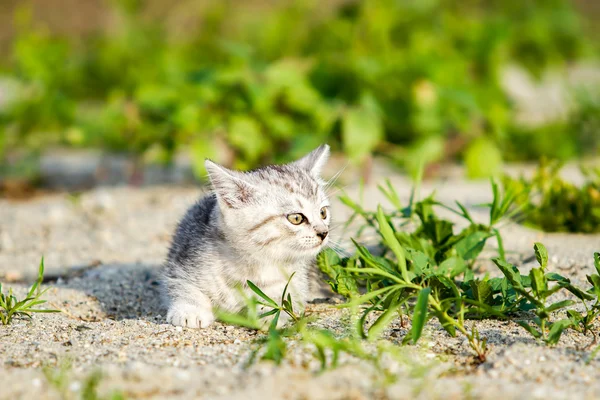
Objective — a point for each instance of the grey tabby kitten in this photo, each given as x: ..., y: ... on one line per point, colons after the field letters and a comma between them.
x: 261, y: 225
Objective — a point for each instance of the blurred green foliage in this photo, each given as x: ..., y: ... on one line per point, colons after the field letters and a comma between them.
x: 401, y: 77
x: 550, y: 203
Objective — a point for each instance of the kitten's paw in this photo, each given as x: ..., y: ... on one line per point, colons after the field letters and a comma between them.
x: 189, y: 315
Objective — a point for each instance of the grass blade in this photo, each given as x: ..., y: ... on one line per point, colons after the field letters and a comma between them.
x: 420, y: 314
x: 259, y: 292
x: 390, y: 238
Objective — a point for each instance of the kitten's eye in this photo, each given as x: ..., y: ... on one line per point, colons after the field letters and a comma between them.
x: 324, y: 213
x: 296, y: 219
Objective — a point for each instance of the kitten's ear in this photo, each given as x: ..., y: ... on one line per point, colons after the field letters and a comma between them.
x: 314, y: 161
x: 230, y: 186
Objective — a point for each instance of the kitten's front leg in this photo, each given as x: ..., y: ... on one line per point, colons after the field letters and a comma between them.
x: 190, y: 314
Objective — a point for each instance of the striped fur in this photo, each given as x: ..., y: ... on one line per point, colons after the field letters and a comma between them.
x: 241, y: 232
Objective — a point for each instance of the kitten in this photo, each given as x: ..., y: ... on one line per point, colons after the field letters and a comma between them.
x: 261, y: 225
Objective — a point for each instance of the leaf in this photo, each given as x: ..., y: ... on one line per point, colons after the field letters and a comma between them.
x: 465, y: 213
x: 392, y: 242
x: 420, y: 262
x: 286, y: 287
x: 534, y: 332
x: 559, y: 304
x: 273, y: 325
x: 276, y: 347
x: 362, y: 129
x: 329, y: 262
x: 577, y: 292
x: 346, y: 285
x: 541, y: 254
x: 383, y: 321
x: 554, y: 277
x: 597, y: 262
x: 482, y: 291
x: 453, y: 266
x: 268, y: 313
x: 575, y: 316
x: 594, y: 280
x: 510, y: 272
x: 420, y: 314
x: 259, y: 292
x: 369, y: 296
x: 391, y: 194
x: 39, y: 279
x: 538, y: 282
x: 237, y: 319
x: 470, y: 246
x: 557, y: 329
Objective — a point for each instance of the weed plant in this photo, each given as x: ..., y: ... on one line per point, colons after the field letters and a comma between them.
x: 11, y: 308
x: 428, y: 273
x: 552, y: 204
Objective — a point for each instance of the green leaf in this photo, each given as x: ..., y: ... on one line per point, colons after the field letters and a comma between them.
x: 346, y: 285
x: 470, y: 246
x: 595, y: 281
x: 273, y: 326
x: 577, y: 292
x: 392, y: 242
x: 329, y: 262
x: 237, y: 319
x: 259, y: 292
x: 538, y: 282
x: 575, y: 316
x: 541, y: 254
x: 534, y: 332
x: 39, y: 279
x: 276, y: 347
x: 420, y: 314
x: 554, y: 277
x: 597, y: 262
x: 482, y: 291
x: 362, y: 130
x: 557, y: 329
x: 453, y: 266
x: 510, y: 272
x: 465, y: 213
x: 369, y: 296
x: 420, y: 262
x: 383, y: 321
x: 560, y: 304
x: 286, y: 287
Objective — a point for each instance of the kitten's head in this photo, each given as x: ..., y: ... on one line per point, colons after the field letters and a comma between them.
x: 278, y: 211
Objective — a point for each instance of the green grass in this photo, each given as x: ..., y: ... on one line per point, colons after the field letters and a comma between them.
x: 11, y: 307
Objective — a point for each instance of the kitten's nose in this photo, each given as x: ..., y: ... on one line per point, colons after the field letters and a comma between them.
x: 322, y: 235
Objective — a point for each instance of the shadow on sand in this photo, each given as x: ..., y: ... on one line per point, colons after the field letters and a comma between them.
x: 124, y: 291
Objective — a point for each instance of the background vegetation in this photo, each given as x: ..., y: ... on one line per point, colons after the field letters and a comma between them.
x: 267, y: 81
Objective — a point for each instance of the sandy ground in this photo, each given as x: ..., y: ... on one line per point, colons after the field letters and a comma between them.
x: 102, y: 251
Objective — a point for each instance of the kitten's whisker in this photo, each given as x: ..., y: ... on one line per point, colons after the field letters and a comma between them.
x: 335, y: 177
x: 340, y: 251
